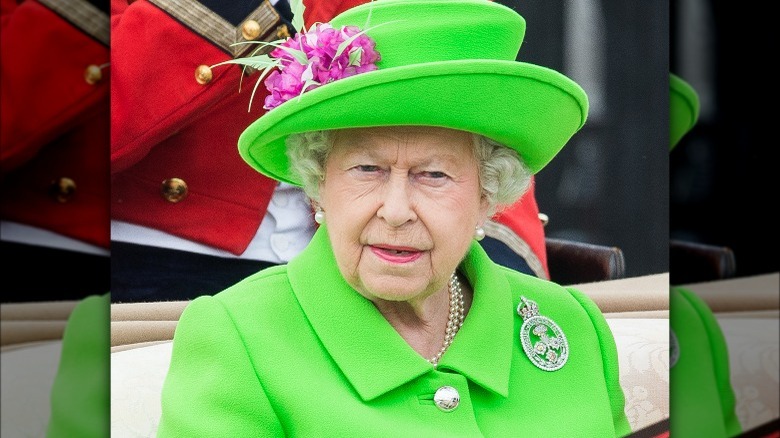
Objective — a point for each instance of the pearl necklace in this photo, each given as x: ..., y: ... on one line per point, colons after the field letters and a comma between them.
x: 455, y: 318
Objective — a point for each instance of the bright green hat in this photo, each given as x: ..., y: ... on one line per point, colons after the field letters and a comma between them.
x: 683, y: 109
x: 445, y: 63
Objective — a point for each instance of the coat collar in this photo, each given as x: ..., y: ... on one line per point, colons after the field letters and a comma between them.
x: 224, y: 34
x: 372, y: 355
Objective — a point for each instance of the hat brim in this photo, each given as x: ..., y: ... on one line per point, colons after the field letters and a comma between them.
x: 683, y: 109
x: 531, y: 109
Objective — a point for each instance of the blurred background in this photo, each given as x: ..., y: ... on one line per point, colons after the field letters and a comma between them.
x: 723, y: 172
x: 609, y: 186
x: 722, y: 195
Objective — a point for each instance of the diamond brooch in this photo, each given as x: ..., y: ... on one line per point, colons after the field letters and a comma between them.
x: 542, y: 339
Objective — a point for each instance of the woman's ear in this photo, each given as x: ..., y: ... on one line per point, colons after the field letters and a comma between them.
x: 484, y: 209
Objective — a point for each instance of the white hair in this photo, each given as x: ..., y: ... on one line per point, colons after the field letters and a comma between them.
x: 503, y: 175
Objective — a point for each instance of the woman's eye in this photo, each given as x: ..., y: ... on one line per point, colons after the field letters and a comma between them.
x: 433, y: 178
x: 435, y: 174
x: 367, y: 168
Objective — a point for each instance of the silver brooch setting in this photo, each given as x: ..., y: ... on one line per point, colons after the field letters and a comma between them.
x: 542, y: 339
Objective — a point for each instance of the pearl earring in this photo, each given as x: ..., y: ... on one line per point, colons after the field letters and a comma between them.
x: 479, y: 233
x: 319, y: 216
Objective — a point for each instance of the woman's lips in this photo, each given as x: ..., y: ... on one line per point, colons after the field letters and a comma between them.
x: 396, y: 254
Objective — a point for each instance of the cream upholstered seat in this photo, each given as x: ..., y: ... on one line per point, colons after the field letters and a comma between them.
x: 28, y: 372
x: 30, y: 335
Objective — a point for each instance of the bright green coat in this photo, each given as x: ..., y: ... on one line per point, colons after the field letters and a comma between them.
x: 80, y: 395
x: 701, y: 398
x: 294, y: 351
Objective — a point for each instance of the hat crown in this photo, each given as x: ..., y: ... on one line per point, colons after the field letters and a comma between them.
x: 411, y: 32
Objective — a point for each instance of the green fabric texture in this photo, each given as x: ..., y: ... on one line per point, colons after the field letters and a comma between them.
x: 294, y: 351
x: 80, y: 393
x: 701, y: 397
x: 445, y: 63
x: 683, y: 109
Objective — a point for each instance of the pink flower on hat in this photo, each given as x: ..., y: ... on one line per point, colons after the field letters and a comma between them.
x: 317, y: 57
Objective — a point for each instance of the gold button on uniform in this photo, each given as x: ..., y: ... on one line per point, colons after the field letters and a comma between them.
x: 203, y: 74
x: 93, y: 75
x: 446, y: 398
x: 62, y: 189
x: 250, y: 29
x: 173, y: 189
x: 282, y: 32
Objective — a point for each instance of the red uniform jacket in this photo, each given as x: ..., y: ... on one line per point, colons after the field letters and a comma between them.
x: 54, y: 118
x: 522, y: 218
x: 174, y: 155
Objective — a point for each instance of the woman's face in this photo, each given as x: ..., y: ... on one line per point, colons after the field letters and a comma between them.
x: 401, y: 205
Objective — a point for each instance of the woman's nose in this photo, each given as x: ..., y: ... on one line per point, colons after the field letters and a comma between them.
x: 396, y: 204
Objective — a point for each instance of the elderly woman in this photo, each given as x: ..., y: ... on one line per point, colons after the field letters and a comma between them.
x: 408, y: 123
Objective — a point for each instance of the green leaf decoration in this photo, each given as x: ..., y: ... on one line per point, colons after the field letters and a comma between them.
x: 306, y: 85
x: 257, y: 62
x: 307, y: 74
x: 354, y: 57
x: 297, y: 8
x: 299, y: 55
x: 349, y: 40
x: 259, y: 80
x: 368, y: 18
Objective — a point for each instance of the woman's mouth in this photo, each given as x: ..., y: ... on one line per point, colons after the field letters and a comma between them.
x: 396, y: 254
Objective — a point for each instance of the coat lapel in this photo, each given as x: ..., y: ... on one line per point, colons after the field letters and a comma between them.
x: 372, y: 355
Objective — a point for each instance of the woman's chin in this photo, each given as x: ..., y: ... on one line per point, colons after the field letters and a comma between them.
x: 396, y: 296
x: 392, y: 292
